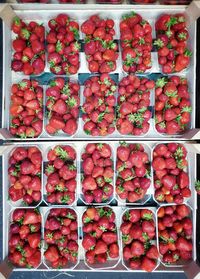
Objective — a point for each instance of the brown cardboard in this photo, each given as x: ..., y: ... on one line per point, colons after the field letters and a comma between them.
x: 192, y: 271
x: 193, y: 10
x: 195, y: 148
x: 6, y: 13
x: 192, y: 134
x: 5, y: 269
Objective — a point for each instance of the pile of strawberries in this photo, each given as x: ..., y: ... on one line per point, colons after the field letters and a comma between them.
x: 61, y: 175
x: 62, y: 106
x: 175, y: 234
x: 172, y: 37
x: 99, y: 105
x: 28, y: 46
x: 25, y: 238
x: 100, y: 239
x: 133, y: 172
x: 26, y: 109
x: 98, y: 173
x: 171, y: 179
x: 61, y: 236
x: 138, y: 237
x: 172, y: 105
x: 100, y: 48
x: 136, y: 43
x: 24, y: 172
x: 63, y: 46
x: 133, y: 113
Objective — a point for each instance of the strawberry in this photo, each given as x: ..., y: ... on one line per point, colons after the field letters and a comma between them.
x: 26, y: 112
x: 100, y: 236
x: 97, y: 121
x: 100, y: 48
x: 61, y: 174
x: 109, y: 237
x: 96, y: 175
x: 100, y: 247
x: 197, y: 187
x: 136, y: 37
x: 173, y: 239
x: 137, y: 248
x: 148, y: 264
x: 183, y: 244
x: 34, y: 240
x: 24, y: 175
x: 152, y: 253
x: 61, y: 230
x: 133, y: 115
x: 62, y: 106
x: 114, y: 251
x: 137, y: 235
x: 174, y: 99
x: 182, y: 61
x: 172, y: 179
x: 51, y: 254
x: 172, y: 29
x: 24, y: 240
x: 183, y: 180
x: 32, y: 58
x: 63, y: 47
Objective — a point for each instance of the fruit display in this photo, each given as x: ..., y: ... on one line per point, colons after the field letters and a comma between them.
x: 171, y: 177
x: 175, y: 231
x: 133, y: 173
x: 136, y: 43
x: 25, y: 238
x: 24, y: 173
x: 29, y: 48
x: 99, y: 135
x: 99, y: 105
x: 172, y: 43
x: 61, y: 173
x: 26, y: 113
x: 61, y: 238
x: 133, y: 112
x: 99, y: 46
x: 63, y: 45
x: 138, y: 235
x: 100, y: 238
x: 172, y: 105
x: 98, y: 174
x: 62, y: 107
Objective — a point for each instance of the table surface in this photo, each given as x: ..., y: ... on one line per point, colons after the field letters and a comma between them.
x: 87, y: 275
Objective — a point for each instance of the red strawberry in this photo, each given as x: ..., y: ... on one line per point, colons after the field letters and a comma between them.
x: 100, y: 247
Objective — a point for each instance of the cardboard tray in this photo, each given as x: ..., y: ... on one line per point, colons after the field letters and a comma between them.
x: 42, y: 13
x: 193, y: 150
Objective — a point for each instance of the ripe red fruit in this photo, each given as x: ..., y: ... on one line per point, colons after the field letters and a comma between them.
x: 30, y: 43
x: 62, y: 45
x: 62, y: 106
x: 24, y: 238
x: 136, y: 37
x: 177, y: 57
x: 100, y: 48
x: 133, y: 114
